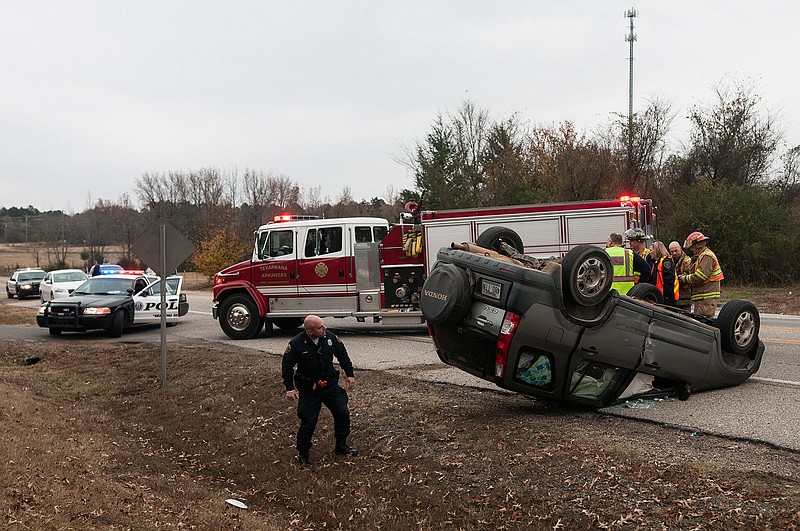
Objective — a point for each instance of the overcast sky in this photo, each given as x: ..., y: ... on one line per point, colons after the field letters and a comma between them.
x: 95, y: 93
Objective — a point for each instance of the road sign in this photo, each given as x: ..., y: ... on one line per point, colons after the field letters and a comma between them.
x: 177, y: 248
x: 162, y: 247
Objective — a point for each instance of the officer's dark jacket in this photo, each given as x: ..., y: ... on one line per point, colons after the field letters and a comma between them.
x: 314, y: 362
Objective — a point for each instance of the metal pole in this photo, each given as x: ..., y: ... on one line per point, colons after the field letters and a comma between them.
x: 162, y: 240
x: 631, y: 37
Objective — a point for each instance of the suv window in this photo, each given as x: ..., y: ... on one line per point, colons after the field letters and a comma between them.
x: 535, y: 369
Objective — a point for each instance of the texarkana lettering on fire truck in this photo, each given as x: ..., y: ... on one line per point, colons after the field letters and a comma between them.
x: 363, y: 267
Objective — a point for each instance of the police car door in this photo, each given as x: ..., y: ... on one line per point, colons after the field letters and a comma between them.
x: 147, y: 302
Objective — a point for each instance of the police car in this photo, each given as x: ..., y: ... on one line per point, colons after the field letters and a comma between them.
x: 114, y: 302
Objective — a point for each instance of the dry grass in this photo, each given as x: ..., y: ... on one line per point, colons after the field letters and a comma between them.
x: 17, y: 315
x: 16, y: 255
x: 89, y: 441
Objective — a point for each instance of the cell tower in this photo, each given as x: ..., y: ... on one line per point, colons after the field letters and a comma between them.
x: 631, y: 38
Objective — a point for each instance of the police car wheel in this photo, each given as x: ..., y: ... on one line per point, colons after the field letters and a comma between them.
x: 117, y: 324
x: 587, y: 274
x: 239, y: 318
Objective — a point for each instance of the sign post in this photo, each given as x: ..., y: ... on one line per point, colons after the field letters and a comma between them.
x: 162, y: 248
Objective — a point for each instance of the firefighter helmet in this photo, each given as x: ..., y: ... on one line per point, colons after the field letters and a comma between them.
x: 635, y: 234
x: 693, y: 238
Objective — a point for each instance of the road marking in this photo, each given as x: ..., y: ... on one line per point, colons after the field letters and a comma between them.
x: 773, y: 380
x: 779, y: 329
x: 781, y: 341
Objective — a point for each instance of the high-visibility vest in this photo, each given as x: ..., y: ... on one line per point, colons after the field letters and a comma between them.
x: 622, y: 260
x: 659, y: 270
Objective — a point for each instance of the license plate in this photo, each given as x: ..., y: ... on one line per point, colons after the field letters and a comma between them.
x: 490, y: 289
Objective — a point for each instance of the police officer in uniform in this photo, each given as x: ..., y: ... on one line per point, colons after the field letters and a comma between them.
x: 316, y: 382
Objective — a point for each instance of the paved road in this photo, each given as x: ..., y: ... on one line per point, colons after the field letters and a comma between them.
x: 763, y: 409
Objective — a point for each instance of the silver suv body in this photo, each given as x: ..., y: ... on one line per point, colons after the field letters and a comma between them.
x: 560, y: 332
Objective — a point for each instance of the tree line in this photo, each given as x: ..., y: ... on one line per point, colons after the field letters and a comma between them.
x: 735, y: 179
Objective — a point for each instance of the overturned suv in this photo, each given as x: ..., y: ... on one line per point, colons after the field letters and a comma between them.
x: 556, y: 330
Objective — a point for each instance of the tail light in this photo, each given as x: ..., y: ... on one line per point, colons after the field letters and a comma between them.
x: 507, y: 330
x: 430, y: 329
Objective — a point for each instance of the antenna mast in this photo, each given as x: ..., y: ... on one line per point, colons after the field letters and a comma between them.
x: 631, y: 38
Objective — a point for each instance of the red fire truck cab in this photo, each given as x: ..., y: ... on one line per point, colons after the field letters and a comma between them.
x: 363, y: 267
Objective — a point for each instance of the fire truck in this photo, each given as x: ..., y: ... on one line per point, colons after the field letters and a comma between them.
x: 366, y: 268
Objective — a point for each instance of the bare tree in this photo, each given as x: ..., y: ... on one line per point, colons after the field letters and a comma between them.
x: 735, y: 140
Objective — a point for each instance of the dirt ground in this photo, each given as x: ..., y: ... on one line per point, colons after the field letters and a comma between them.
x: 90, y: 441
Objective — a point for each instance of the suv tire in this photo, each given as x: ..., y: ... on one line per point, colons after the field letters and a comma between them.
x: 492, y: 235
x: 586, y: 275
x: 739, y: 324
x: 445, y: 295
x: 646, y: 292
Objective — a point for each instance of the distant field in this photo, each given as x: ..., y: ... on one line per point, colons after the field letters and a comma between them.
x: 16, y: 255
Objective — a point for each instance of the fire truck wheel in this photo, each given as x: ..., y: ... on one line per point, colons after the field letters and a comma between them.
x: 492, y: 235
x: 587, y: 274
x: 646, y: 292
x: 238, y: 317
x: 445, y: 295
x: 288, y: 323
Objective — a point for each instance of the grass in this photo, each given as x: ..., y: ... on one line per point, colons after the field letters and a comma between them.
x: 90, y: 441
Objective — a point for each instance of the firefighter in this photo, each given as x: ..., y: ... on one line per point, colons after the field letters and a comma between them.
x: 626, y: 264
x: 636, y: 239
x: 705, y: 276
x: 316, y: 382
x: 662, y: 273
x: 682, y: 262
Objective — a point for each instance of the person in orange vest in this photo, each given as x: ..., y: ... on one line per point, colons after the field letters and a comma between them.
x: 683, y: 263
x: 705, y: 277
x: 662, y: 273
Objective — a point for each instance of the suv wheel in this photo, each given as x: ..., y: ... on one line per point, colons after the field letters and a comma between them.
x: 445, y: 295
x: 739, y: 323
x: 492, y: 235
x: 8, y: 293
x: 587, y: 274
x: 646, y: 292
